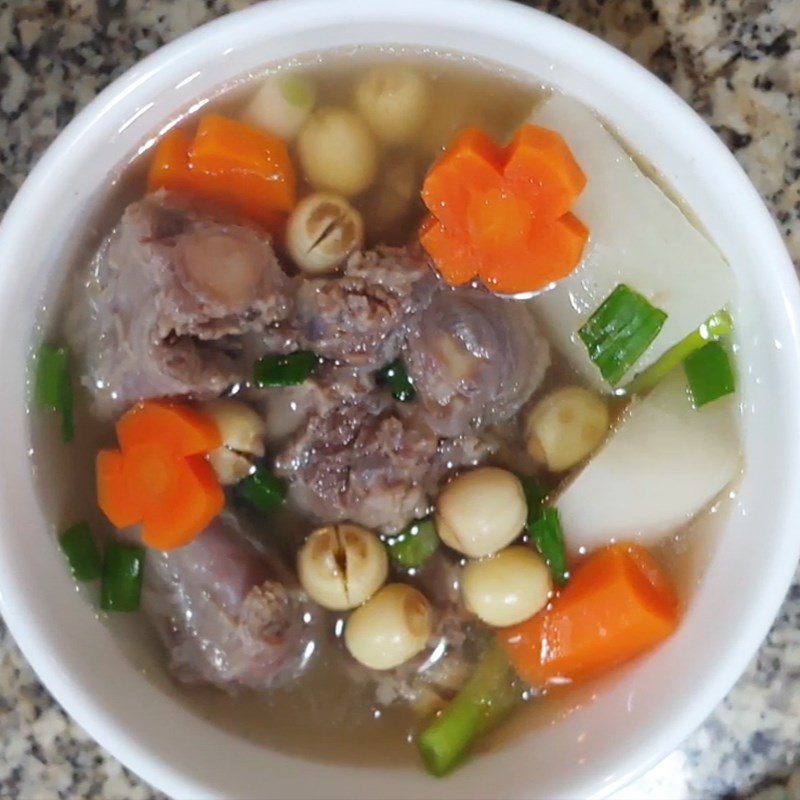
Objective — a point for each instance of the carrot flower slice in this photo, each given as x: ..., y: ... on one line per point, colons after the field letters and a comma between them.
x: 503, y: 214
x: 471, y: 165
x: 541, y: 168
x: 176, y: 427
x: 192, y: 499
x: 113, y: 495
x: 451, y: 253
x: 160, y: 476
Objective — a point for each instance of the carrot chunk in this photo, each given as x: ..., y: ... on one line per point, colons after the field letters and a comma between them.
x: 149, y: 468
x: 114, y: 496
x: 551, y: 252
x: 191, y: 500
x: 228, y: 147
x: 617, y: 606
x: 170, y: 167
x: 176, y: 427
x: 471, y: 165
x: 454, y: 259
x: 160, y: 475
x: 503, y: 214
x: 500, y: 222
x: 230, y: 164
x: 541, y: 168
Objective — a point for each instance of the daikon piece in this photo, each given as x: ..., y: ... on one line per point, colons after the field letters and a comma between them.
x: 638, y: 236
x: 664, y: 463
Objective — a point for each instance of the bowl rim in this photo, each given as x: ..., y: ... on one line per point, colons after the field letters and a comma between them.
x: 74, y: 696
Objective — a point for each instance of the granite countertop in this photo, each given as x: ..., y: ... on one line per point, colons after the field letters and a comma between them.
x: 736, y: 61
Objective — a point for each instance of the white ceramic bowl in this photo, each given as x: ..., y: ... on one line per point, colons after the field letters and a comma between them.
x: 643, y: 713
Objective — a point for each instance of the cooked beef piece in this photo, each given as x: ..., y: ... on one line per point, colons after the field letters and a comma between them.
x: 474, y: 358
x: 359, y: 317
x: 169, y: 290
x: 467, y: 450
x: 227, y: 613
x: 286, y: 408
x: 361, y: 462
x: 358, y: 455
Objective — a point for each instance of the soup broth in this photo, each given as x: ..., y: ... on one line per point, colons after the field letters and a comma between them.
x: 334, y: 709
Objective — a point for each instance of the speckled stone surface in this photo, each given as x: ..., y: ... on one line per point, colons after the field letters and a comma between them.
x: 736, y: 61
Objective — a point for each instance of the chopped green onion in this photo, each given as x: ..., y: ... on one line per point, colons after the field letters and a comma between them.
x: 288, y: 370
x: 297, y: 90
x: 415, y: 544
x: 54, y: 386
x: 395, y: 378
x: 262, y: 490
x: 535, y: 495
x: 121, y: 588
x: 709, y: 373
x: 549, y: 540
x: 81, y: 551
x: 544, y: 526
x: 619, y: 332
x: 487, y: 697
x: 716, y: 326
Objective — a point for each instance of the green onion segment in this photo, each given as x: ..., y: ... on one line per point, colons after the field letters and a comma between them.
x: 288, y: 370
x: 548, y: 537
x: 715, y: 327
x: 53, y: 387
x: 487, y: 697
x: 81, y: 551
x: 297, y: 90
x: 544, y: 526
x: 709, y: 373
x: 535, y: 495
x: 619, y: 331
x: 395, y: 378
x: 415, y: 544
x: 262, y: 490
x: 121, y: 587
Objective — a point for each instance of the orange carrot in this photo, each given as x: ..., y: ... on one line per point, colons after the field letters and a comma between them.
x: 471, y: 165
x: 187, y: 506
x: 499, y: 222
x: 554, y: 248
x: 113, y: 495
x: 617, y: 606
x: 231, y: 164
x: 454, y: 259
x: 170, y: 167
x: 540, y: 167
x: 159, y: 476
x: 503, y: 214
x: 177, y: 427
x: 225, y: 146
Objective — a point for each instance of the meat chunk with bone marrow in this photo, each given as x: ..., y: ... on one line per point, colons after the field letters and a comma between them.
x: 227, y: 613
x: 474, y: 358
x: 360, y: 462
x: 169, y: 292
x: 359, y: 318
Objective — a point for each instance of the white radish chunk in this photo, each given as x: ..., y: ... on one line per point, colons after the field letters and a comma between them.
x: 665, y: 463
x: 638, y: 237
